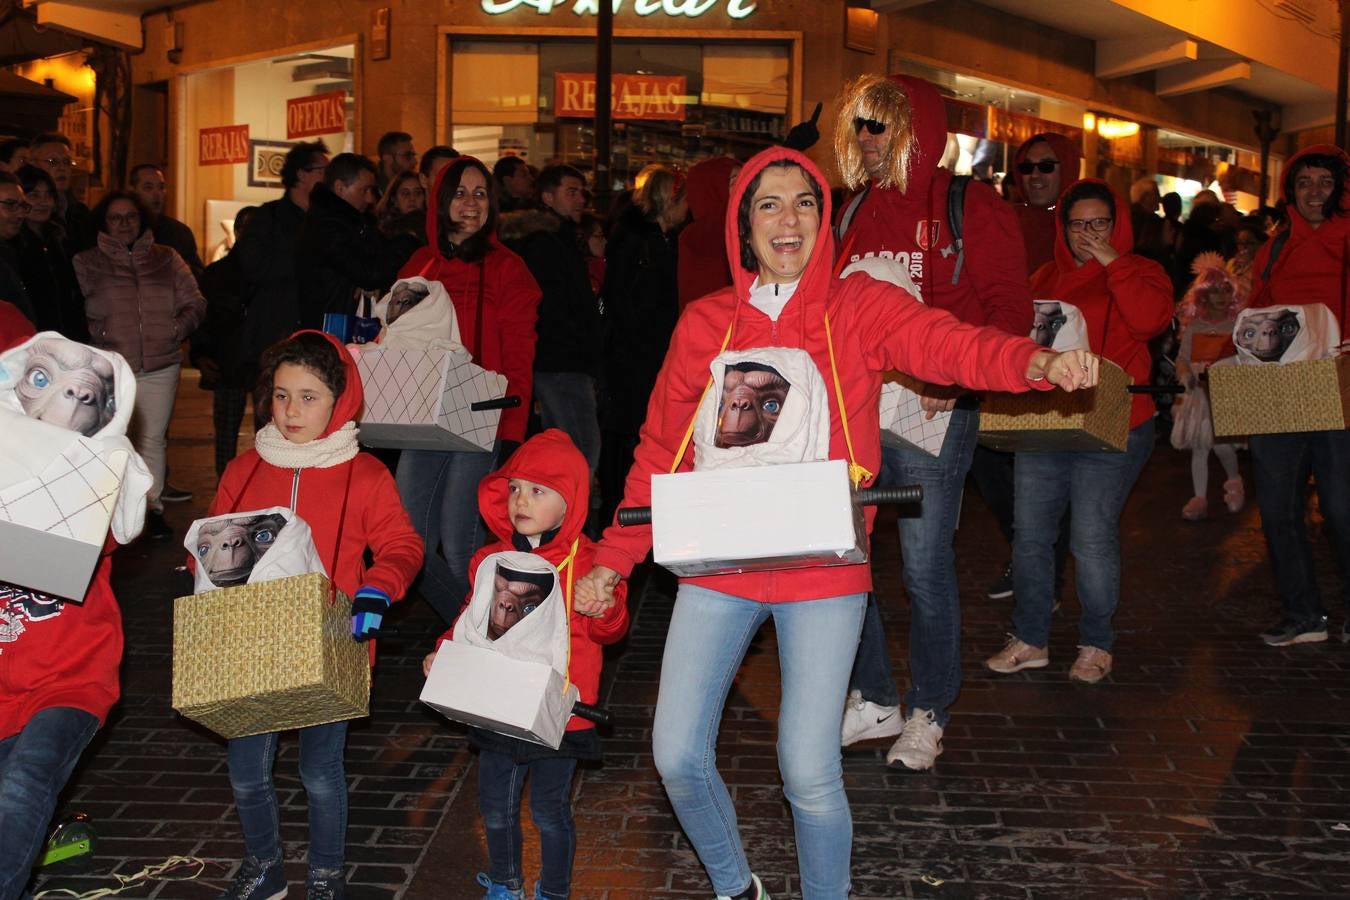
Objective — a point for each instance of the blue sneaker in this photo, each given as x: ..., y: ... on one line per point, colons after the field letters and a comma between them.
x: 497, y: 891
x: 257, y: 880
x: 325, y: 884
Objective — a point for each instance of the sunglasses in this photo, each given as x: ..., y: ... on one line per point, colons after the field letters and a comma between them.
x: 1046, y: 166
x: 872, y: 125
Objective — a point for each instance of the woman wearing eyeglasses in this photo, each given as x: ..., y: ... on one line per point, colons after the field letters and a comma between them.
x: 1125, y: 300
x: 141, y: 301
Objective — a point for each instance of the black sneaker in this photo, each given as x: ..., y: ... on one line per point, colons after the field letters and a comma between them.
x: 257, y: 880
x: 156, y: 527
x: 325, y: 884
x: 171, y: 494
x: 1003, y: 586
x: 1288, y: 631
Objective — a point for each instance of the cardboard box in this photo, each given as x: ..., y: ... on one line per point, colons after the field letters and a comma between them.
x: 1280, y: 398
x: 421, y: 399
x: 52, y: 527
x: 481, y: 687
x: 1094, y: 420
x: 752, y: 519
x: 904, y: 424
x: 268, y: 657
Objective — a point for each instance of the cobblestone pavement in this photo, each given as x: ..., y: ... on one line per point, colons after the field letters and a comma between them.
x: 1206, y: 765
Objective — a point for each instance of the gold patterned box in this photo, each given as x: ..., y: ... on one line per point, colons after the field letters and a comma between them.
x: 1091, y: 420
x: 268, y: 657
x: 1280, y: 398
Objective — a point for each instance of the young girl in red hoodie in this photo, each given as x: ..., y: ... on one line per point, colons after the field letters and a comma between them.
x: 537, y: 503
x: 307, y: 458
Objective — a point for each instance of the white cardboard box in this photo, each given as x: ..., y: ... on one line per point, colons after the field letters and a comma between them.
x: 53, y: 526
x: 420, y: 399
x: 752, y: 519
x: 905, y: 425
x: 481, y: 687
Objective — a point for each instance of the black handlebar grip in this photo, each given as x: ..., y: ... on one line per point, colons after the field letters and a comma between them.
x: 635, y: 515
x: 591, y: 713
x: 905, y: 493
x: 508, y: 402
x: 1156, y: 389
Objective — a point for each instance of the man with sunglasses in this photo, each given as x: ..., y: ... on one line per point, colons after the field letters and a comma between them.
x: 889, y: 143
x: 52, y: 153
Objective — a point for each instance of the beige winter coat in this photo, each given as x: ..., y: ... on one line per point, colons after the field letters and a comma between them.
x: 141, y: 302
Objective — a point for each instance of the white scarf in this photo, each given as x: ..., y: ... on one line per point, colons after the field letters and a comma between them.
x: 320, y: 453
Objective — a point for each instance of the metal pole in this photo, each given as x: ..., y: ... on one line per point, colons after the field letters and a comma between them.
x: 604, y: 72
x: 1342, y: 70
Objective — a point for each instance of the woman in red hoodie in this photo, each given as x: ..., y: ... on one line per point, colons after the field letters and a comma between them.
x: 784, y: 294
x: 1125, y: 300
x: 496, y: 302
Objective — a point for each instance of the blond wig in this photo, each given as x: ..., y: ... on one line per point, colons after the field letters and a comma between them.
x: 875, y: 97
x: 656, y: 189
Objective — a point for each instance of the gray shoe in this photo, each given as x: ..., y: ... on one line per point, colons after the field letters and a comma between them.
x: 1290, y: 631
x: 325, y: 884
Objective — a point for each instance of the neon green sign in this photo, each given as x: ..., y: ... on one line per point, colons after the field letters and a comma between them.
x: 735, y: 9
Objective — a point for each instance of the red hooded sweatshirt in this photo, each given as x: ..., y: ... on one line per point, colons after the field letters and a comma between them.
x: 496, y: 303
x: 875, y: 327
x: 551, y: 459
x: 1311, y: 264
x: 356, y: 499
x: 912, y: 226
x: 703, y: 260
x: 1038, y: 222
x: 1127, y: 303
x: 53, y: 652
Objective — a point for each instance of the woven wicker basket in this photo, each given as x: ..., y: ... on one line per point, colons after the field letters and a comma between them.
x: 1092, y: 420
x: 268, y: 657
x: 1313, y: 395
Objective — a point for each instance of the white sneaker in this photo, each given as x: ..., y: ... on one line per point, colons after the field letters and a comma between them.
x: 756, y: 890
x: 920, y: 743
x: 865, y: 720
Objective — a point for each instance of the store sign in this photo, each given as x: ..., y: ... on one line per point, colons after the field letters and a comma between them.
x: 223, y: 146
x: 317, y: 114
x: 633, y: 97
x: 1011, y: 127
x: 735, y: 9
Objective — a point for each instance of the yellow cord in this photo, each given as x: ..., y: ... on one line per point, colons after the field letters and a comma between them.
x: 689, y: 432
x: 856, y: 473
x: 567, y: 602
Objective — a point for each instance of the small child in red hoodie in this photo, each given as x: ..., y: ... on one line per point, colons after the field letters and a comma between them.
x: 537, y: 503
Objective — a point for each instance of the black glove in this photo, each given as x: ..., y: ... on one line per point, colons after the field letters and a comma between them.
x: 804, y: 135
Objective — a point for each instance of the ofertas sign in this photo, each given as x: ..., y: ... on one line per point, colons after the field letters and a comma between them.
x: 222, y: 146
x: 736, y: 9
x: 316, y: 114
x: 632, y: 97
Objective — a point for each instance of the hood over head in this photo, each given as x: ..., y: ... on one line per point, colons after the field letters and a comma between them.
x: 1066, y: 151
x: 1299, y: 225
x: 551, y: 459
x: 814, y: 282
x: 254, y: 546
x: 928, y: 121
x: 433, y: 224
x: 348, y: 405
x: 709, y: 187
x: 1122, y: 232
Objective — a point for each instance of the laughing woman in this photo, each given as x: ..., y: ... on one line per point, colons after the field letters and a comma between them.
x: 784, y: 294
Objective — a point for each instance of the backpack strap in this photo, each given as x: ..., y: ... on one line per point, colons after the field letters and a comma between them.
x: 956, y: 213
x: 1276, y: 245
x: 849, y: 212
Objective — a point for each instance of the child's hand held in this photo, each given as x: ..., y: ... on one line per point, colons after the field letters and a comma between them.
x: 426, y: 664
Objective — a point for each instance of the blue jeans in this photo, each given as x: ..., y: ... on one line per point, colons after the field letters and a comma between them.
x: 929, y: 576
x: 34, y: 766
x: 1093, y: 487
x: 322, y: 773
x: 567, y: 401
x: 500, y: 781
x: 1281, y: 464
x: 440, y: 491
x: 709, y: 634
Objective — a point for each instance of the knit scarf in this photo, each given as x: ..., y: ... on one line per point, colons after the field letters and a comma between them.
x: 321, y: 453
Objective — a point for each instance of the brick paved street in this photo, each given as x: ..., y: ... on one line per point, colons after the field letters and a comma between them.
x: 1206, y: 765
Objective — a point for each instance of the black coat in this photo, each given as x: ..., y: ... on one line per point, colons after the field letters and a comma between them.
x: 641, y: 305
x: 221, y: 335
x: 12, y: 287
x: 569, y: 325
x: 52, y: 287
x: 266, y: 253
x: 172, y: 233
x: 340, y: 252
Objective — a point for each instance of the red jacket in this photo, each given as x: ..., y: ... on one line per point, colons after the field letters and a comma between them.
x: 876, y: 327
x: 14, y: 326
x: 703, y: 262
x: 1038, y: 222
x: 56, y: 653
x: 1127, y: 303
x: 1312, y: 261
x: 356, y: 498
x: 496, y: 303
x: 551, y: 459
x: 992, y: 288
